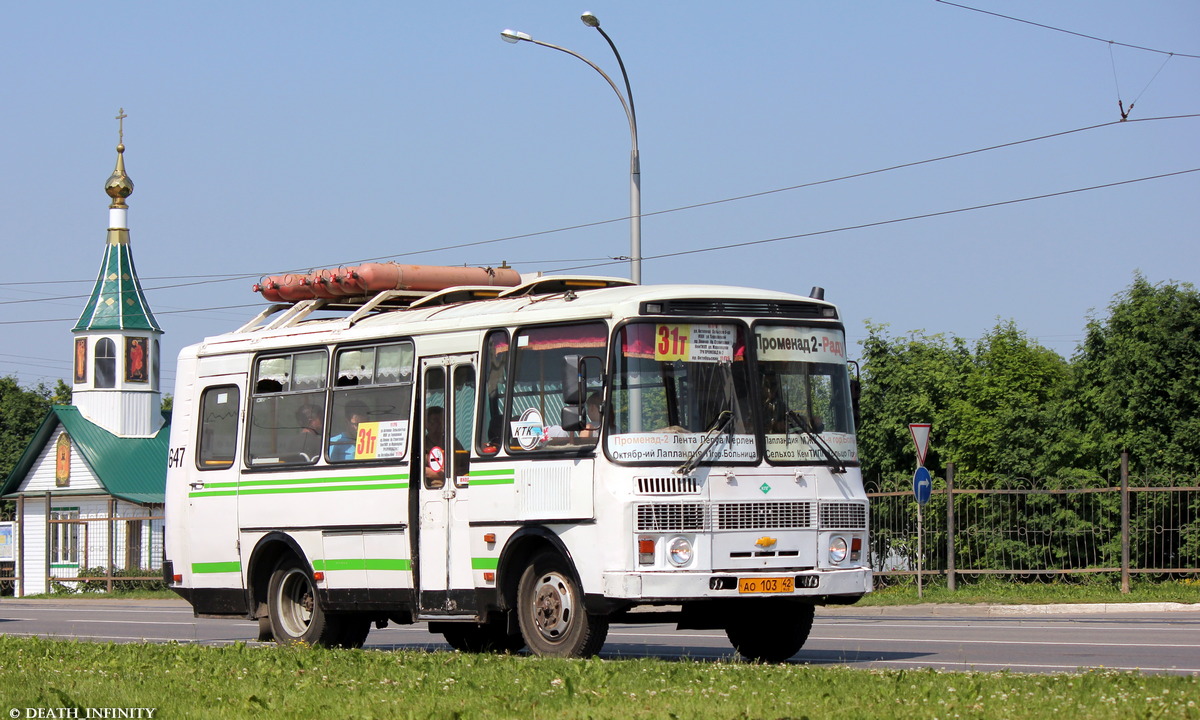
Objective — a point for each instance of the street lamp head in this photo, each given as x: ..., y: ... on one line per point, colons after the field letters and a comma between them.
x: 514, y: 36
x: 590, y: 20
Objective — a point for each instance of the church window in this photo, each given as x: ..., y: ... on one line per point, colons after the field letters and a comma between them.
x: 106, y: 363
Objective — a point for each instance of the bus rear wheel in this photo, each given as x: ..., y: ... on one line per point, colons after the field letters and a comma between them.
x: 550, y: 610
x: 770, y: 632
x: 296, y: 613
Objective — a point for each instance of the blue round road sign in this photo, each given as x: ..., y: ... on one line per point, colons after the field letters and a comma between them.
x: 922, y: 485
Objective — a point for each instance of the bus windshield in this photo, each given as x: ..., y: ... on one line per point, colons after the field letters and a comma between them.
x: 681, y: 390
x: 805, y: 390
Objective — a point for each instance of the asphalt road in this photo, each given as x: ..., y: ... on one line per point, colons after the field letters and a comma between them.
x: 1155, y: 638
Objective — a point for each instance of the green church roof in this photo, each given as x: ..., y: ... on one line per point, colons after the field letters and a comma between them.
x: 133, y: 469
x: 117, y: 302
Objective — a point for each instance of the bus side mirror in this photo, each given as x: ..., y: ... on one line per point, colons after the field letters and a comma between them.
x: 855, y: 394
x: 573, y: 379
x: 573, y: 418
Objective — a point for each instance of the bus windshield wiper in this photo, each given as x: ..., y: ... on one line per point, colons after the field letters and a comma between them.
x: 710, y: 438
x: 798, y: 422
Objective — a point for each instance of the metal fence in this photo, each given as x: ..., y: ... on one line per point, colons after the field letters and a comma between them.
x: 1018, y: 527
x: 115, y: 549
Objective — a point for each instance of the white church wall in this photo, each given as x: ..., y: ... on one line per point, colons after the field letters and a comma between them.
x: 41, y: 476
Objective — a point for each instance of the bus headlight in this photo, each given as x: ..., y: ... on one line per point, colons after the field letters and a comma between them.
x: 837, y: 549
x: 679, y: 551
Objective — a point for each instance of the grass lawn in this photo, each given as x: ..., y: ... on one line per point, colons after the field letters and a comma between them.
x: 188, y: 681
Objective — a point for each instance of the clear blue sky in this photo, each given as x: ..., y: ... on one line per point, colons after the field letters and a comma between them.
x: 265, y: 137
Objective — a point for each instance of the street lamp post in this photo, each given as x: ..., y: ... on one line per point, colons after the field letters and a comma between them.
x: 635, y: 169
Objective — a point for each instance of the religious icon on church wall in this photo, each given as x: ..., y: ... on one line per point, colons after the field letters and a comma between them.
x: 62, y: 461
x: 81, y: 360
x: 136, y: 360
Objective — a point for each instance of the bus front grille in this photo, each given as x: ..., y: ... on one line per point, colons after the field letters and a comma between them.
x: 671, y: 517
x: 843, y: 516
x: 667, y: 485
x: 764, y: 515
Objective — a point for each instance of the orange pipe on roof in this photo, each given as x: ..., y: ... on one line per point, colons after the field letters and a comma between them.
x: 370, y: 278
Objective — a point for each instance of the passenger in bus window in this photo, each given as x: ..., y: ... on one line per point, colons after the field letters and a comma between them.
x: 311, y: 422
x: 592, y: 429
x: 436, y: 456
x: 341, y: 446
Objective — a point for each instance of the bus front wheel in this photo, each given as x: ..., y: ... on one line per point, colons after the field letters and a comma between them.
x: 550, y: 610
x: 771, y: 633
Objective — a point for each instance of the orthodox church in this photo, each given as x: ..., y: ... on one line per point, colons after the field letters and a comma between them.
x: 89, y: 487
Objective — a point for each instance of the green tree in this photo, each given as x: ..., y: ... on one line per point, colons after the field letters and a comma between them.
x: 905, y: 380
x: 1136, y: 381
x: 21, y: 412
x: 1004, y: 418
x: 992, y: 407
x: 62, y: 393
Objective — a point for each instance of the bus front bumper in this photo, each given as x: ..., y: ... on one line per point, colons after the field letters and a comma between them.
x: 680, y: 586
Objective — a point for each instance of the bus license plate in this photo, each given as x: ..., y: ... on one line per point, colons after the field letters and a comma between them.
x: 767, y: 585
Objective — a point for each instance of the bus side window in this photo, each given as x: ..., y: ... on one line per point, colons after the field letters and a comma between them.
x: 536, y: 395
x: 286, y: 423
x: 491, y: 400
x: 371, y: 398
x: 219, y: 408
x: 464, y: 414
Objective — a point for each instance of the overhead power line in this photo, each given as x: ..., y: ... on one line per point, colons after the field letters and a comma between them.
x: 208, y: 279
x: 157, y: 312
x: 1068, y: 32
x: 893, y: 221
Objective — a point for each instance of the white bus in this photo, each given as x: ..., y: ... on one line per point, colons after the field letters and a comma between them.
x: 521, y: 466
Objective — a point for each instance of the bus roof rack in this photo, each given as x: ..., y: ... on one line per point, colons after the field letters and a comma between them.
x: 454, y: 295
x: 361, y: 306
x: 552, y: 284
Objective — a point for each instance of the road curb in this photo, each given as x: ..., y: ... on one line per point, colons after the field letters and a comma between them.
x: 963, y: 609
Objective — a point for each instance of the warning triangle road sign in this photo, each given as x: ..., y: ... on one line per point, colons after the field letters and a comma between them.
x: 920, y: 436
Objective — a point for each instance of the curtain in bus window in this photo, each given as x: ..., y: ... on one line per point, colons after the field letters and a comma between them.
x: 393, y: 364
x: 536, y: 394
x: 272, y: 375
x: 309, y: 371
x: 355, y: 367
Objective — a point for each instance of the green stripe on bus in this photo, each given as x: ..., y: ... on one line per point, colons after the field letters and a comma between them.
x: 335, y: 488
x: 485, y: 563
x: 280, y: 486
x: 323, y: 479
x: 362, y: 564
x: 217, y: 567
x: 493, y: 477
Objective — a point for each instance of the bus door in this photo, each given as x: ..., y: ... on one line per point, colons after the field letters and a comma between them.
x: 445, y: 584
x: 211, y: 525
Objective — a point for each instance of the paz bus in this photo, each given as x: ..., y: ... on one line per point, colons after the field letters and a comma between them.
x: 518, y: 462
